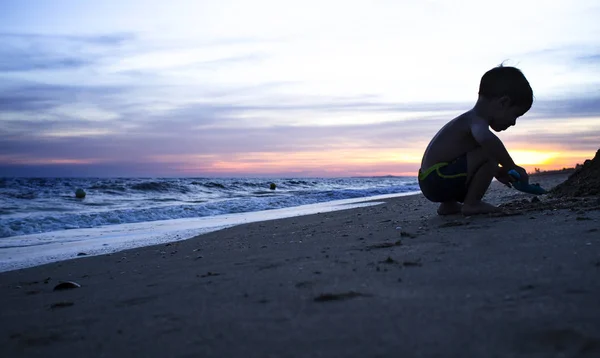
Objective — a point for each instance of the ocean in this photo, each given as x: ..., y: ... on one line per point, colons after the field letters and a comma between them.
x: 41, y: 220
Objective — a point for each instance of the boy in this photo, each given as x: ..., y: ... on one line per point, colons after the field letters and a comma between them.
x: 464, y: 156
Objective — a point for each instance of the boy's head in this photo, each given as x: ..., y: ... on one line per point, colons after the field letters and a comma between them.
x: 508, y: 94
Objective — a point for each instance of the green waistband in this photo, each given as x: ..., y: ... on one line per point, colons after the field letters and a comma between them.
x: 425, y: 173
x: 436, y: 168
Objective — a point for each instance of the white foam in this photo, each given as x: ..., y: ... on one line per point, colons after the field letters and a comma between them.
x: 23, y: 251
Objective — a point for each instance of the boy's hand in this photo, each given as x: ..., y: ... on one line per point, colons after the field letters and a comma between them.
x: 523, y: 173
x: 503, y: 177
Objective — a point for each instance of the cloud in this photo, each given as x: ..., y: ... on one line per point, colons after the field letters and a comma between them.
x: 181, y: 136
x: 190, y: 102
x: 38, y: 98
x: 138, y: 122
x: 588, y: 141
x: 566, y: 108
x: 17, y: 62
x: 166, y: 146
x: 89, y: 170
x: 22, y: 103
x: 590, y: 58
x: 222, y: 120
x: 101, y: 39
x: 33, y: 52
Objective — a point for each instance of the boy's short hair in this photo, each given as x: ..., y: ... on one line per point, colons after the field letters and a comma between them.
x: 507, y: 81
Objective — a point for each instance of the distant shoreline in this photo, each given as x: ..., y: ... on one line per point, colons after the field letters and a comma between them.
x: 554, y: 172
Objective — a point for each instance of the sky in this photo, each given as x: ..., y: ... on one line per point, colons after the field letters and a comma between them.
x: 329, y: 88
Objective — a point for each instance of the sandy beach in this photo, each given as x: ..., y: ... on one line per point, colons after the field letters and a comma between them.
x: 391, y: 280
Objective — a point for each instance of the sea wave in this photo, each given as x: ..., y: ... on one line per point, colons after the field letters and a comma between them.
x: 42, y: 205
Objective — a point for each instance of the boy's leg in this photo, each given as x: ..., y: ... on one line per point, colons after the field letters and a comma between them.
x: 481, y: 171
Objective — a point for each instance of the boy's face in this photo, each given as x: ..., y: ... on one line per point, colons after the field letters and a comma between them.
x: 504, y: 115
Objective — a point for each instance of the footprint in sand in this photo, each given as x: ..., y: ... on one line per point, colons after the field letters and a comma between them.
x: 327, y: 297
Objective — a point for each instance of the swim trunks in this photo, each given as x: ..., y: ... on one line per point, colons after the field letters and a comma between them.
x: 446, y: 181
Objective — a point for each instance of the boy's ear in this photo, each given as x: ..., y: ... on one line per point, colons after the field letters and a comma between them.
x: 504, y: 101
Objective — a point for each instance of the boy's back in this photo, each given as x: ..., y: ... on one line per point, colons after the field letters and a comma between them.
x: 451, y: 141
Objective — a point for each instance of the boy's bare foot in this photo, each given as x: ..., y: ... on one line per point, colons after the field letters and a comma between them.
x: 449, y: 208
x: 480, y: 207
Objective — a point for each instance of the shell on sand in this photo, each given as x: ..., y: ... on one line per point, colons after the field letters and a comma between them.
x: 66, y: 285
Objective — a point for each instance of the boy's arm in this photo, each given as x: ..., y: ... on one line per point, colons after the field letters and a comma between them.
x: 494, y: 147
x: 491, y: 143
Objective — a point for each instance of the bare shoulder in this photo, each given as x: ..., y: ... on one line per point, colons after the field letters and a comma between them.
x: 472, y: 119
x: 478, y: 127
x: 462, y: 125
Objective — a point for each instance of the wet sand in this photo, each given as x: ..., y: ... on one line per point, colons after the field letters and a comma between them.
x: 392, y: 280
